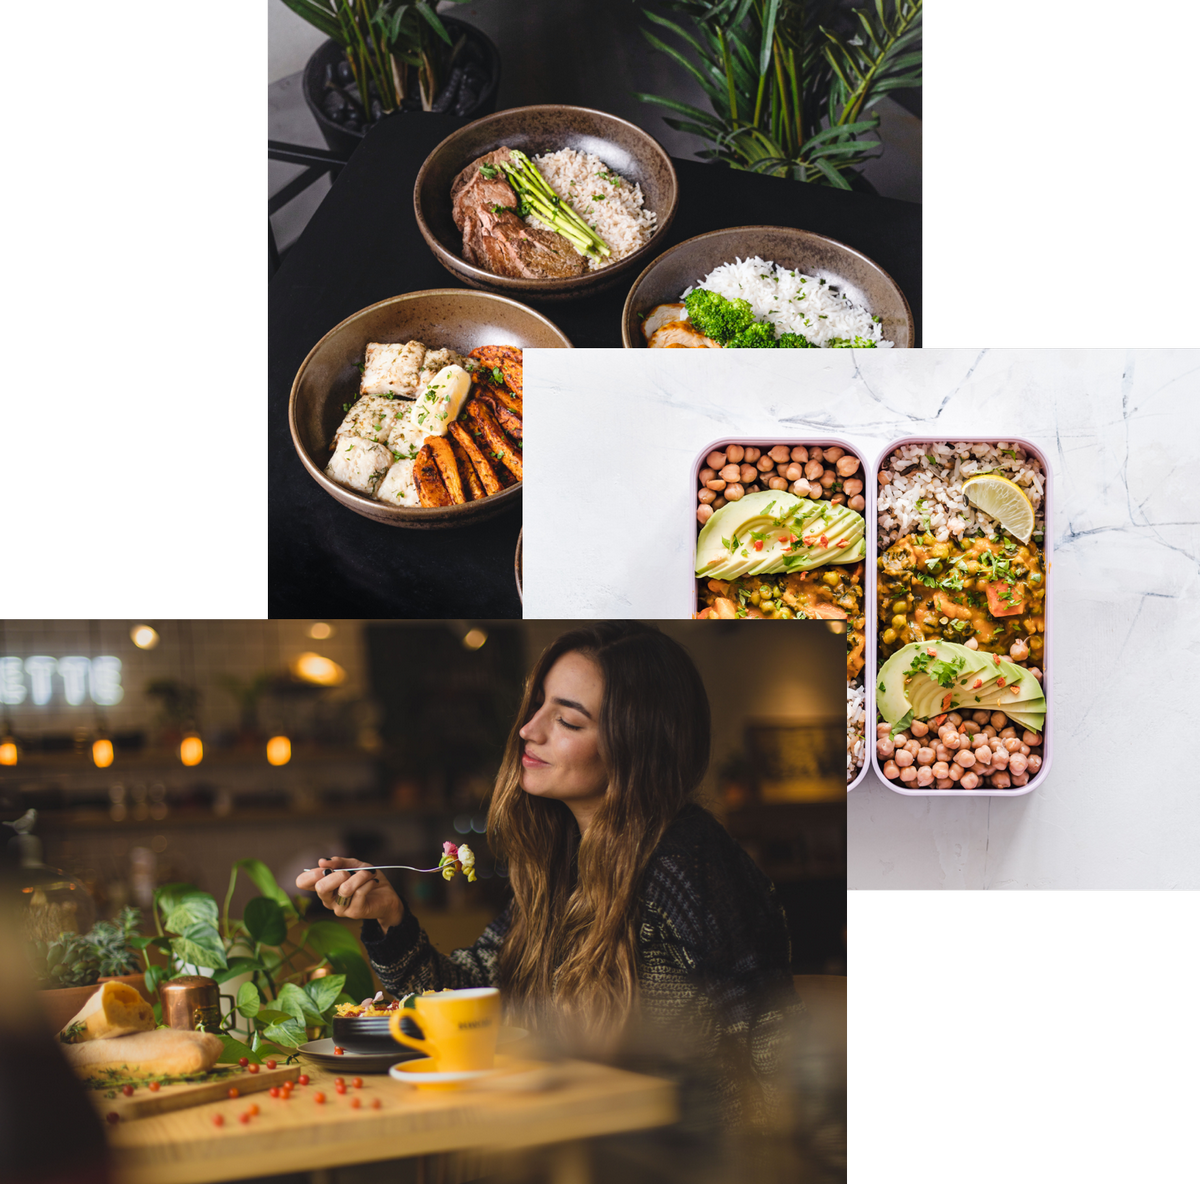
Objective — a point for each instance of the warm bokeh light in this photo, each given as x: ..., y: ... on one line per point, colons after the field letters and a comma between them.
x: 191, y: 750
x: 8, y: 753
x: 474, y: 638
x: 320, y: 671
x: 279, y: 750
x: 144, y: 637
x: 320, y: 630
x: 102, y: 753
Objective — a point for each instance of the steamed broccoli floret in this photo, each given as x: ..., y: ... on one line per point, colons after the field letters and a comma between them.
x: 851, y: 343
x: 758, y: 335
x: 794, y: 341
x: 716, y: 317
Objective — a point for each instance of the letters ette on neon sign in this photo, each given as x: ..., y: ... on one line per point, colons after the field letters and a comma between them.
x: 80, y: 678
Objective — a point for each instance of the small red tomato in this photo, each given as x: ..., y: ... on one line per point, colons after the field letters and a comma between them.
x: 218, y: 1120
x: 339, y: 1081
x: 113, y: 1117
x: 253, y: 1111
x: 302, y: 1079
x: 274, y: 1091
x: 251, y: 1068
x: 340, y: 1087
x: 155, y: 1086
x: 243, y: 1062
x: 318, y: 1097
x: 244, y: 1117
x: 337, y: 1052
x: 234, y: 1092
x: 127, y: 1090
x: 271, y: 1062
x: 355, y: 1103
x: 375, y: 1103
x: 357, y: 1083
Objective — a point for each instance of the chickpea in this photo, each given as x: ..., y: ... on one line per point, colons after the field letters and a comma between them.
x: 730, y: 473
x: 1030, y: 738
x: 964, y: 758
x: 716, y: 483
x: 941, y: 768
x: 800, y: 453
x: 703, y: 514
x: 1008, y: 733
x: 924, y: 756
x: 747, y: 474
x: 969, y: 727
x: 794, y: 472
x: 751, y: 455
x: 917, y: 727
x: 891, y: 770
x: 1001, y: 780
x: 969, y: 781
x: 1018, y: 763
x: 998, y: 720
x: 1023, y: 749
x: 719, y: 503
x: 885, y: 478
x: 981, y: 717
x: 847, y: 465
x: 956, y: 772
x: 857, y: 502
x: 884, y: 747
x: 706, y: 496
x: 903, y: 757
x: 983, y: 756
x: 952, y: 741
x: 815, y: 454
x: 970, y: 643
x: 989, y: 732
x: 778, y: 483
x: 838, y: 499
x: 979, y: 740
x: 853, y: 486
x: 942, y: 753
x: 780, y: 452
x: 943, y: 783
x: 706, y: 475
x: 924, y: 776
x: 913, y: 746
x: 901, y: 738
x: 955, y: 719
x: 1020, y: 779
x: 1036, y: 673
x: 908, y: 774
x: 734, y: 453
x: 1019, y: 650
x: 716, y: 460
x: 1033, y: 762
x: 1011, y: 745
x: 833, y: 453
x: 828, y: 478
x: 883, y: 729
x: 813, y: 469
x: 734, y: 493
x: 814, y: 490
x: 765, y: 464
x: 800, y: 488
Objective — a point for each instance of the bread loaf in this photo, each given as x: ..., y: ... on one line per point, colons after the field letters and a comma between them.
x: 165, y: 1052
x: 115, y: 1009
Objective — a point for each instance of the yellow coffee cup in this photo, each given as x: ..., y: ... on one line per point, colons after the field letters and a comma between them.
x: 460, y: 1027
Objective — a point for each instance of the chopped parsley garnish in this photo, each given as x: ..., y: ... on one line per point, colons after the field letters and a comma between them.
x: 489, y: 172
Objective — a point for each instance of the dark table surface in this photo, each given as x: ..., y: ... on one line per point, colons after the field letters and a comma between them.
x: 362, y: 245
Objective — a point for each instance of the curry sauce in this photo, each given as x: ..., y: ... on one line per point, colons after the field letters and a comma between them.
x: 992, y: 590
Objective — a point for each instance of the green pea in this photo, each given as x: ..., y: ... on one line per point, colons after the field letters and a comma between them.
x: 899, y: 621
x: 889, y: 636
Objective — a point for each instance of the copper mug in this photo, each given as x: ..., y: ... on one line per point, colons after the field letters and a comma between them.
x: 192, y: 1002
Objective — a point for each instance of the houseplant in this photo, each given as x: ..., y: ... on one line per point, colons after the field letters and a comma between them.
x: 383, y: 56
x: 791, y: 82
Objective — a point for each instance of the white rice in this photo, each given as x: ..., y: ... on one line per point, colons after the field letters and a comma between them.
x: 792, y: 302
x: 606, y: 202
x: 925, y: 490
x: 856, y: 727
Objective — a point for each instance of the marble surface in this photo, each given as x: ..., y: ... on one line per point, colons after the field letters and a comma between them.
x: 610, y: 440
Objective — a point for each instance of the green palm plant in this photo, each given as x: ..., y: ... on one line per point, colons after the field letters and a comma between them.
x: 791, y: 91
x: 403, y: 49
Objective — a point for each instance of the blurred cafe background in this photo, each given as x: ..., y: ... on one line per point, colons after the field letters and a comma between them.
x: 136, y: 754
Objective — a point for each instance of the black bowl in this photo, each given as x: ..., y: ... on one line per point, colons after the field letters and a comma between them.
x: 370, y: 1033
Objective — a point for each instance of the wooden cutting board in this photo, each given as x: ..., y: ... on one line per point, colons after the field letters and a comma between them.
x: 144, y: 1103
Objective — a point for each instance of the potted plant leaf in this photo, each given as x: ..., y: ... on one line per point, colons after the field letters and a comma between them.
x: 271, y: 948
x: 792, y: 83
x: 384, y: 56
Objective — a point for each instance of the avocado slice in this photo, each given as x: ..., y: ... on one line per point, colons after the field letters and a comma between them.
x: 1035, y: 721
x: 904, y: 692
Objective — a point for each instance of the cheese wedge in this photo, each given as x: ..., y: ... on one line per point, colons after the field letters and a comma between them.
x: 164, y: 1052
x: 115, y: 1009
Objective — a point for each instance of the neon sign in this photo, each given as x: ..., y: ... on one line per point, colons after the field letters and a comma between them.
x: 78, y: 679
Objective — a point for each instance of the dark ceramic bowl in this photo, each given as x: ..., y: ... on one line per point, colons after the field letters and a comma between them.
x: 329, y: 377
x: 863, y: 280
x: 370, y: 1033
x: 628, y: 150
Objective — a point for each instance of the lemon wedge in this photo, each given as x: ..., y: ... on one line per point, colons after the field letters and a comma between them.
x: 1003, y: 500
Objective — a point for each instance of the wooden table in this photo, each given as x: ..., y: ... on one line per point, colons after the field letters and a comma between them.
x: 582, y: 1101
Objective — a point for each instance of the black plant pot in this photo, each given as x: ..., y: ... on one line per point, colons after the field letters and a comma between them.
x: 343, y: 140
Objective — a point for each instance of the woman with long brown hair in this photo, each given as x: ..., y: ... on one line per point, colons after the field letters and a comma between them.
x: 632, y: 909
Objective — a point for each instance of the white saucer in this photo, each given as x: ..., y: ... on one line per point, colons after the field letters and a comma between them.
x: 417, y: 1073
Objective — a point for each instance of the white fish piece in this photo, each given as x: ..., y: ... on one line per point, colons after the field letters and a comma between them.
x: 405, y: 439
x: 394, y: 368
x: 372, y: 418
x: 359, y: 464
x: 398, y: 488
x: 441, y: 401
x: 434, y: 361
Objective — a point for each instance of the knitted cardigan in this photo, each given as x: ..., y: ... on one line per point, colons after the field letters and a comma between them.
x: 713, y: 959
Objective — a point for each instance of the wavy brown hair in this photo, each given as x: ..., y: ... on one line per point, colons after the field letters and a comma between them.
x: 570, y: 955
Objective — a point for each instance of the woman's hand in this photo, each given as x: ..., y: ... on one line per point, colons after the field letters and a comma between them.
x: 361, y: 896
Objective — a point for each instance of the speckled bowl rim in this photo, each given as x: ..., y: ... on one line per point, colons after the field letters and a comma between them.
x: 439, y: 515
x: 627, y: 308
x: 569, y: 284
